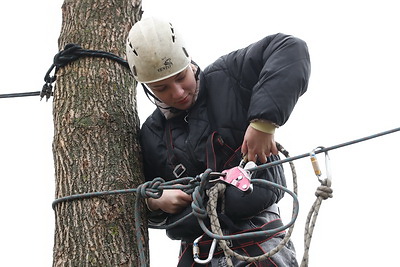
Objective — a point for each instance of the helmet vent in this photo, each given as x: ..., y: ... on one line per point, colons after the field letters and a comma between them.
x: 134, y: 70
x: 133, y: 49
x: 172, y: 32
x: 184, y: 51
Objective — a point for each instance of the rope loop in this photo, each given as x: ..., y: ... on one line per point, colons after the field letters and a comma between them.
x: 198, y: 208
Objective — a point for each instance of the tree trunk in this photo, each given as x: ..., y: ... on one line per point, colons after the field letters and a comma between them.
x: 95, y: 141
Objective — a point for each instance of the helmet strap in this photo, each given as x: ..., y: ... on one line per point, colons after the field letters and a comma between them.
x: 149, y: 94
x: 196, y: 75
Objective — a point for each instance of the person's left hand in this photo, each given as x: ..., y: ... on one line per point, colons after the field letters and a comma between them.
x: 258, y: 145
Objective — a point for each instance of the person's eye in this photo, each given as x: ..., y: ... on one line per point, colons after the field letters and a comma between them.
x: 181, y: 77
x: 159, y: 89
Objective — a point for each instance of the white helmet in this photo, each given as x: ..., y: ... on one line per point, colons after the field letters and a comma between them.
x: 155, y: 50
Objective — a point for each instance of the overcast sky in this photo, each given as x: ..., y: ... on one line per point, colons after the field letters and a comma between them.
x: 353, y: 92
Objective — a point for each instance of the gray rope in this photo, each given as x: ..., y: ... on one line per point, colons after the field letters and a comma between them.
x: 323, y: 192
x: 215, y: 192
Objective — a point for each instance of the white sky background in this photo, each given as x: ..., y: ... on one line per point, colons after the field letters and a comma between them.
x: 354, y: 48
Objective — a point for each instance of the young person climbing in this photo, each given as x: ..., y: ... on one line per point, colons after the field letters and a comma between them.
x: 211, y: 118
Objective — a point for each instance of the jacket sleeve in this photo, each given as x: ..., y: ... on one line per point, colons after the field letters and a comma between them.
x: 274, y: 73
x: 150, y: 141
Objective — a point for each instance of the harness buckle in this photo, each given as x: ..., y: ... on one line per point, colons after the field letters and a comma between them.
x: 179, y: 170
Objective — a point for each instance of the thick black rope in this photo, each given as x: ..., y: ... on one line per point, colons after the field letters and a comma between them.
x: 70, y: 53
x: 73, y: 52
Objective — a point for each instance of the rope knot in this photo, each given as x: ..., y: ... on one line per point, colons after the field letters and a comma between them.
x: 67, y: 55
x: 324, y: 191
x: 151, y: 188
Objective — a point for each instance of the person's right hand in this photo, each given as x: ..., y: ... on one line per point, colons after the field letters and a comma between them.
x: 172, y: 201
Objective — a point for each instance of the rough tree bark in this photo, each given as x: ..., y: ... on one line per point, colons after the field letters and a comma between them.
x: 95, y: 146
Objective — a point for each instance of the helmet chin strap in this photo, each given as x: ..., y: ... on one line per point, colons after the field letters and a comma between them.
x: 150, y: 95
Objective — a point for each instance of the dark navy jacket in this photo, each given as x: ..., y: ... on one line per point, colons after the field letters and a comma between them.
x: 261, y: 81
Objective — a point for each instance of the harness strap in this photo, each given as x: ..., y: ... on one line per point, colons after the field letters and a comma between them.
x: 220, y: 156
x: 170, y: 147
x: 215, y: 144
x: 180, y: 165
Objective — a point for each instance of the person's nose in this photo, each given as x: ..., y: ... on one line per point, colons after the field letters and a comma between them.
x: 177, y: 91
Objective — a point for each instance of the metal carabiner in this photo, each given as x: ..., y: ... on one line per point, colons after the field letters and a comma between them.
x: 196, y: 251
x: 317, y: 169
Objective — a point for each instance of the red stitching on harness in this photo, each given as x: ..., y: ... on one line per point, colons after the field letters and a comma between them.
x: 233, y: 157
x: 263, y: 263
x: 269, y: 259
x: 241, y: 246
x: 170, y: 145
x: 214, y: 166
x: 258, y: 228
x: 183, y: 252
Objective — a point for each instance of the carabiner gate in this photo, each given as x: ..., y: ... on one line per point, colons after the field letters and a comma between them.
x: 196, y: 251
x: 317, y: 169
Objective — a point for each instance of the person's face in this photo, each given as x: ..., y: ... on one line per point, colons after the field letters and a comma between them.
x: 177, y: 91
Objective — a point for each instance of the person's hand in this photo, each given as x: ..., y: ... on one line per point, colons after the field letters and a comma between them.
x: 258, y: 145
x: 172, y: 201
